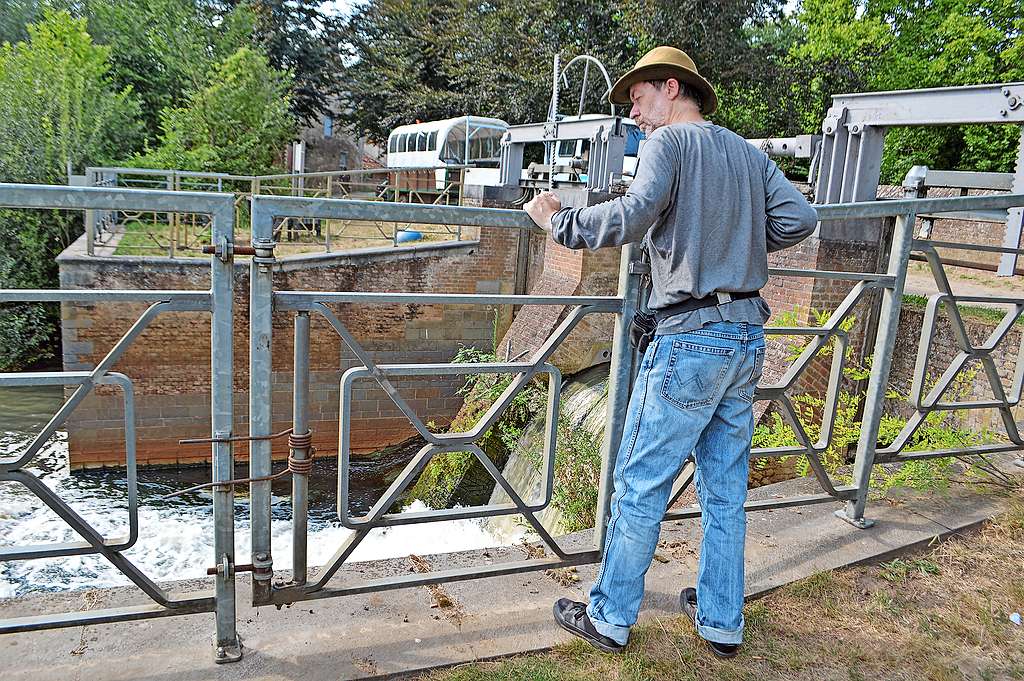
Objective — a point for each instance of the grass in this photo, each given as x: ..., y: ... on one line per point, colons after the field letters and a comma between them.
x: 152, y: 238
x: 940, y: 616
x: 990, y: 315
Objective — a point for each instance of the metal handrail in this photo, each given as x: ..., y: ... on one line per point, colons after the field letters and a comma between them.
x: 264, y: 300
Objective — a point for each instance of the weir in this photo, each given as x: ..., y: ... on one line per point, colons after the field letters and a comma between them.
x: 329, y: 307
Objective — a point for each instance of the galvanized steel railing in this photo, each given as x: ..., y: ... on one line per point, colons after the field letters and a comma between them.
x: 184, y: 234
x: 218, y: 301
x: 265, y: 210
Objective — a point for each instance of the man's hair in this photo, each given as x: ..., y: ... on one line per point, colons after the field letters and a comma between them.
x: 686, y: 91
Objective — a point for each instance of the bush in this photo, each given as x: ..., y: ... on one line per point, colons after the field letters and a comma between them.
x: 238, y: 123
x: 58, y: 107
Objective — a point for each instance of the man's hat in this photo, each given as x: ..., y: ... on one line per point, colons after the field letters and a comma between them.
x: 662, y: 63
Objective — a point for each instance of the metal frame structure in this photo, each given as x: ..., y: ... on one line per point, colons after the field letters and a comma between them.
x: 855, y: 127
x: 264, y: 211
x: 188, y: 232
x: 218, y: 301
x: 264, y: 300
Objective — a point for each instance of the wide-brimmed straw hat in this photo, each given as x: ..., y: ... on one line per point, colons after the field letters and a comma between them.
x: 662, y: 63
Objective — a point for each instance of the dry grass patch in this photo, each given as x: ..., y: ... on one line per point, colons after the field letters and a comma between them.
x: 941, y: 616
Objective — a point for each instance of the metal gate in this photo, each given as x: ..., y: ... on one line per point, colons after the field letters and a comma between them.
x: 264, y: 300
x: 217, y: 301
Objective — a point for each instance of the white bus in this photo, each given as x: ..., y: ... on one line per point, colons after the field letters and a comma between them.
x: 466, y: 140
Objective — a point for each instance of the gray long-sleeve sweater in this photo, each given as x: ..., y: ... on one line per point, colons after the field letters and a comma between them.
x: 710, y: 207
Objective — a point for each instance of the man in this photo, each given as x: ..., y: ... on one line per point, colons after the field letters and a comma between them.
x: 709, y: 207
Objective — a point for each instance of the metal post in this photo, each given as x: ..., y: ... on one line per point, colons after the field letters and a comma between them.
x: 90, y: 215
x: 583, y: 89
x: 227, y: 647
x: 888, y: 326
x: 300, y: 447
x: 620, y: 377
x: 260, y: 414
x: 1015, y: 218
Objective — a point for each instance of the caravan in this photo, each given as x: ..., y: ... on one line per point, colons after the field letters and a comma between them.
x: 472, y: 141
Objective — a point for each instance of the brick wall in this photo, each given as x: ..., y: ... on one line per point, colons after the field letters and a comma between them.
x: 943, y: 350
x: 170, y: 362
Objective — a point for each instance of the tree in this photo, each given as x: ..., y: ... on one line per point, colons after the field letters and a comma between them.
x: 299, y: 37
x: 163, y: 49
x: 239, y: 123
x: 15, y: 16
x: 908, y: 44
x: 426, y: 59
x: 59, y: 107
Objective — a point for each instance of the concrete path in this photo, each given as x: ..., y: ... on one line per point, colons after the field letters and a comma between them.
x: 399, y: 632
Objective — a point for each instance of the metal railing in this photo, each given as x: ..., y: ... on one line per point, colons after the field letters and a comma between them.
x: 136, y: 232
x: 267, y: 211
x: 218, y: 301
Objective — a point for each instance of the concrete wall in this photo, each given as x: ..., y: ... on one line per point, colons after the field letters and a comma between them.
x: 169, y: 363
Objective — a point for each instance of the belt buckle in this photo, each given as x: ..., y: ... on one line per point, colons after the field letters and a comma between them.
x: 723, y: 298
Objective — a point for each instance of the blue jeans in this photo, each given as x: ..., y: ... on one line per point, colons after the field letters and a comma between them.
x: 694, y: 394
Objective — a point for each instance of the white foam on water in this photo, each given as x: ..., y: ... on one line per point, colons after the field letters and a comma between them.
x: 177, y: 542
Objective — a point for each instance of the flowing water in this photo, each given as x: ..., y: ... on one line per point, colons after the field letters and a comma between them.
x: 176, y: 535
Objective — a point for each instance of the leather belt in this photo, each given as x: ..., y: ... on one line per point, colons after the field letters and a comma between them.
x: 692, y: 304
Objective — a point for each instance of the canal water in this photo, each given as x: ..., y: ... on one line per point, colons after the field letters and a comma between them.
x: 176, y: 535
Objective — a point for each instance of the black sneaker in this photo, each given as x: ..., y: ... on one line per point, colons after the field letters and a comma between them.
x: 688, y: 603
x: 572, y: 616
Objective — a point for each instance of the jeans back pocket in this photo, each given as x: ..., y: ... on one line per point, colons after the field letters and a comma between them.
x: 747, y: 391
x: 695, y: 372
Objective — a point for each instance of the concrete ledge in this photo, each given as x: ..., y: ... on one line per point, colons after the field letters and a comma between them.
x: 402, y: 632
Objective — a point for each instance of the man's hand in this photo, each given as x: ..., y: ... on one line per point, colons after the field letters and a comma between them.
x: 541, y: 208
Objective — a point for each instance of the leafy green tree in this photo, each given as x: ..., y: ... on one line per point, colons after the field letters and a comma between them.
x: 59, y: 107
x: 425, y: 59
x: 239, y: 123
x: 907, y: 44
x: 163, y: 49
x: 298, y: 36
x: 15, y: 16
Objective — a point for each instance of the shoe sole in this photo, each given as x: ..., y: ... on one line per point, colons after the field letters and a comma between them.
x: 584, y: 636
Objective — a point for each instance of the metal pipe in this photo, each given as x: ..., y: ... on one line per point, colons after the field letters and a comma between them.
x: 888, y: 327
x: 261, y: 293
x: 619, y: 380
x: 300, y: 426
x: 227, y: 648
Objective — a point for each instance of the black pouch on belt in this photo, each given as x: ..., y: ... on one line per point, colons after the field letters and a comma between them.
x: 641, y: 330
x: 644, y: 324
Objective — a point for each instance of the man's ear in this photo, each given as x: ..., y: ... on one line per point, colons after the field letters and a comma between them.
x: 672, y: 88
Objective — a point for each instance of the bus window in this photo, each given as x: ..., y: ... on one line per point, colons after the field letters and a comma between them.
x: 566, y: 148
x: 454, y: 150
x: 393, y: 144
x: 432, y: 141
x: 486, y: 144
x: 421, y: 142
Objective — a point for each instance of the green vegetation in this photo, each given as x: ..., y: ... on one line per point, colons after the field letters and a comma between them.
x: 236, y: 124
x: 457, y: 477
x: 577, y: 474
x: 988, y: 315
x: 940, y: 429
x: 197, y: 85
x: 60, y: 106
x: 775, y: 73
